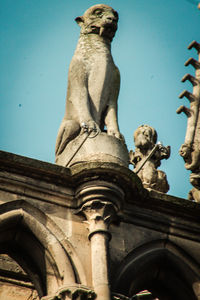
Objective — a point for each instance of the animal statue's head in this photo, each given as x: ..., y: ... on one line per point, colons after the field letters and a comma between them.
x: 99, y: 19
x: 145, y: 137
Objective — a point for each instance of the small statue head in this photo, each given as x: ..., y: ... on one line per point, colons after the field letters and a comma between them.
x: 145, y: 137
x: 185, y: 151
x: 99, y: 19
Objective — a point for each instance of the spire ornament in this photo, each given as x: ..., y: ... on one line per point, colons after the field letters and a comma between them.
x: 190, y: 150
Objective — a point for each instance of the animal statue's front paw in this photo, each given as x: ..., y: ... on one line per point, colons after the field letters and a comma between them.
x: 90, y: 126
x: 116, y: 134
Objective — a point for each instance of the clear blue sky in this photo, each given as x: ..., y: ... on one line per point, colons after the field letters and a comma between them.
x: 37, y: 41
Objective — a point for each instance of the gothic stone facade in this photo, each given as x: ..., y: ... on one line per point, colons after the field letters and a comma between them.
x: 93, y: 232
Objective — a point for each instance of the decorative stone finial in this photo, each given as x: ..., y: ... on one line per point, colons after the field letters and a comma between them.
x: 89, y: 130
x: 147, y: 158
x: 190, y: 150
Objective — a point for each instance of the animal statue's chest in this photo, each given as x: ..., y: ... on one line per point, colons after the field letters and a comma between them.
x: 101, y: 77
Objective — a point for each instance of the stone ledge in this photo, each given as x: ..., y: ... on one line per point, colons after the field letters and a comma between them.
x: 59, y: 177
x: 33, y: 168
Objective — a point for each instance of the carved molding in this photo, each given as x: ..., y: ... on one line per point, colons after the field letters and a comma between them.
x: 102, y: 191
x: 72, y: 292
x: 100, y: 203
x: 99, y: 215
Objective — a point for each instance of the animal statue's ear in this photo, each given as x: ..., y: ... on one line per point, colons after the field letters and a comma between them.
x: 79, y: 20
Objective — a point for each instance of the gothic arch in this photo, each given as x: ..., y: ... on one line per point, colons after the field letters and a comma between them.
x: 162, y: 268
x: 39, y: 246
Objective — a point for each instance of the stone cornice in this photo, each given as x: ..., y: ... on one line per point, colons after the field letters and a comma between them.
x: 34, y: 168
x: 21, y: 175
x: 165, y: 213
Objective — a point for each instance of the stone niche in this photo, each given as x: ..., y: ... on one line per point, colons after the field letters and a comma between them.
x: 14, y: 282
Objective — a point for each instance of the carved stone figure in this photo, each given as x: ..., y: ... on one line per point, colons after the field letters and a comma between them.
x: 93, y: 80
x: 147, y: 158
x: 190, y: 150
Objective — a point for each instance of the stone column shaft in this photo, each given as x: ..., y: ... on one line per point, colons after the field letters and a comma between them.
x: 99, y: 257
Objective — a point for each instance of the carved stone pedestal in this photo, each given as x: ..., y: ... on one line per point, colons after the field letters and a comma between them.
x: 101, y: 147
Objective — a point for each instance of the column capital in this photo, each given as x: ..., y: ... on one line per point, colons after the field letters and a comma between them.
x: 72, y: 292
x: 100, y: 191
x: 100, y: 203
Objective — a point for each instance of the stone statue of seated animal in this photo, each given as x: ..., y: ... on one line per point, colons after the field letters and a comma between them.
x: 93, y: 80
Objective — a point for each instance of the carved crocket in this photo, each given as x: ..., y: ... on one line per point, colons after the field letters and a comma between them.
x: 93, y: 80
x: 190, y: 150
x: 146, y: 149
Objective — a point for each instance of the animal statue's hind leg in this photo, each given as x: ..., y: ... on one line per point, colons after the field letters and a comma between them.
x: 68, y: 130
